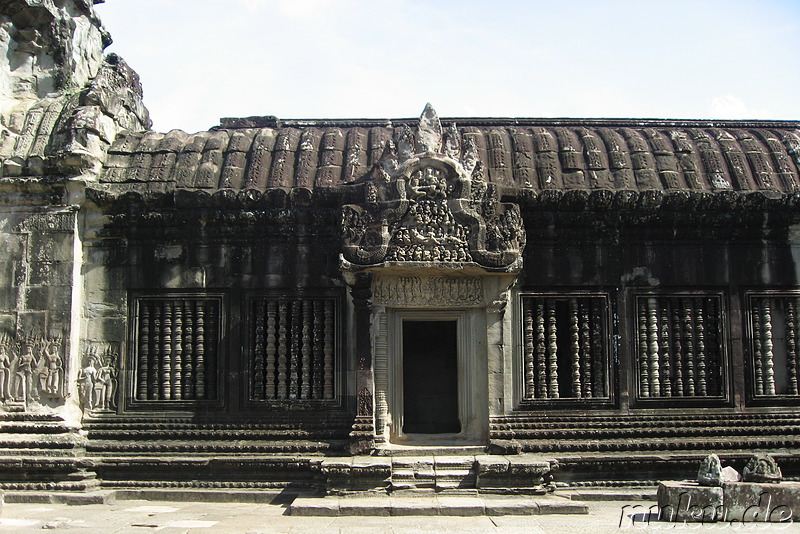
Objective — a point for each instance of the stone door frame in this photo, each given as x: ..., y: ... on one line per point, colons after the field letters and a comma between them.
x: 471, y: 358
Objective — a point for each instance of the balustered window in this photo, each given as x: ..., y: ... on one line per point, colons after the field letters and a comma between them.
x: 679, y: 346
x: 773, y: 344
x: 565, y: 347
x: 176, y: 348
x: 292, y: 349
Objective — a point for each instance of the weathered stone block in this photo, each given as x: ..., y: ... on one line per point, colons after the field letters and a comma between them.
x: 762, y: 502
x: 689, y: 502
x: 51, y: 247
x: 31, y: 321
x: 42, y: 223
x: 8, y: 322
x: 8, y: 298
x: 48, y: 298
x: 517, y: 472
x: 13, y: 245
x: 356, y: 474
x: 50, y: 273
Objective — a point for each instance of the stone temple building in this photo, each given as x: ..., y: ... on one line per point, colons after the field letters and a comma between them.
x: 308, y: 303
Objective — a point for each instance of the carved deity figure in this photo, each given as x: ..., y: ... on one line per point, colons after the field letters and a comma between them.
x: 24, y: 389
x: 97, y: 383
x: 87, y: 377
x: 5, y: 373
x: 107, y: 380
x: 53, y: 366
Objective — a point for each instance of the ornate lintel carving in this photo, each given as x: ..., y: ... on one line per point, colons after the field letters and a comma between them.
x: 428, y: 291
x: 426, y: 202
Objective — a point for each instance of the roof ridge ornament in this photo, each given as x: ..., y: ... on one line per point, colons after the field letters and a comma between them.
x: 429, y: 132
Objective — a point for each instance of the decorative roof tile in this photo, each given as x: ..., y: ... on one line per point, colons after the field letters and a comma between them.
x: 528, y: 154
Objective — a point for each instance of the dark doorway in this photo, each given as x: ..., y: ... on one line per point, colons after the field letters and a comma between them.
x: 430, y: 382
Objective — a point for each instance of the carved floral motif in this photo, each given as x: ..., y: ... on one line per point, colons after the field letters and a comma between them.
x: 426, y: 201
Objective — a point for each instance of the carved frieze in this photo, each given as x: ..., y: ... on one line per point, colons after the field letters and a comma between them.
x: 97, y: 379
x: 428, y: 291
x: 31, y: 370
x: 427, y: 201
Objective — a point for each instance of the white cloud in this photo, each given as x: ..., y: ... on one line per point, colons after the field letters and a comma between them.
x: 732, y: 107
x: 304, y: 9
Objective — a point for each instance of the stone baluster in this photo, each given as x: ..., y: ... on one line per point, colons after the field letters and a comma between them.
x: 769, y: 363
x: 552, y: 350
x: 269, y: 386
x: 200, y: 349
x: 258, y: 351
x: 688, y: 332
x: 211, y: 352
x: 652, y: 347
x: 177, y: 350
x: 188, y: 350
x: 541, y: 352
x: 677, y: 348
x: 713, y: 350
x: 294, y: 352
x: 529, y: 349
x: 758, y: 354
x: 144, y: 349
x: 791, y: 346
x: 154, y: 390
x: 575, y: 349
x: 666, y: 380
x: 282, y: 350
x: 305, y: 382
x: 328, y: 351
x: 319, y: 322
x: 598, y: 361
x: 700, y: 336
x: 644, y: 361
x: 166, y: 353
x: 586, y: 350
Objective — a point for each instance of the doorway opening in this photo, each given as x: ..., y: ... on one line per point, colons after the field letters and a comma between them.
x: 430, y: 377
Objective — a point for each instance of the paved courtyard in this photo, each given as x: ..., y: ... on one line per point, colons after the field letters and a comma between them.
x: 136, y: 516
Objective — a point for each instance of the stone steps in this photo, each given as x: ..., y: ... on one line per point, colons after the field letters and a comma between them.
x: 433, y: 474
x: 643, y: 444
x: 551, y: 433
x: 101, y: 447
x: 643, y: 468
x: 215, y: 434
x: 435, y: 505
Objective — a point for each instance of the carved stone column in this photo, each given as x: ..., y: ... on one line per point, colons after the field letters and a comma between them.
x: 362, y: 436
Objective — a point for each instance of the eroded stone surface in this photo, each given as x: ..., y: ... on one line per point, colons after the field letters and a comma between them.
x: 762, y: 468
x: 710, y: 472
x: 689, y: 502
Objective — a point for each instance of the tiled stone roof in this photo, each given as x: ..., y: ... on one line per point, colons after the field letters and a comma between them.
x: 264, y: 153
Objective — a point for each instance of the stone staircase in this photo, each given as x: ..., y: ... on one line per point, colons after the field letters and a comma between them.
x: 441, y: 473
x: 641, y: 449
x: 42, y: 452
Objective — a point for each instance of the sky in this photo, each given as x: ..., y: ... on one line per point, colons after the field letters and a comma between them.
x: 200, y: 60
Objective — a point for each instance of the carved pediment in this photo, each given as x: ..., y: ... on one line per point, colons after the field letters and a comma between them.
x: 426, y: 201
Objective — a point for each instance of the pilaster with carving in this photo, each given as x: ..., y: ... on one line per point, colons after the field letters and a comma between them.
x: 363, y: 432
